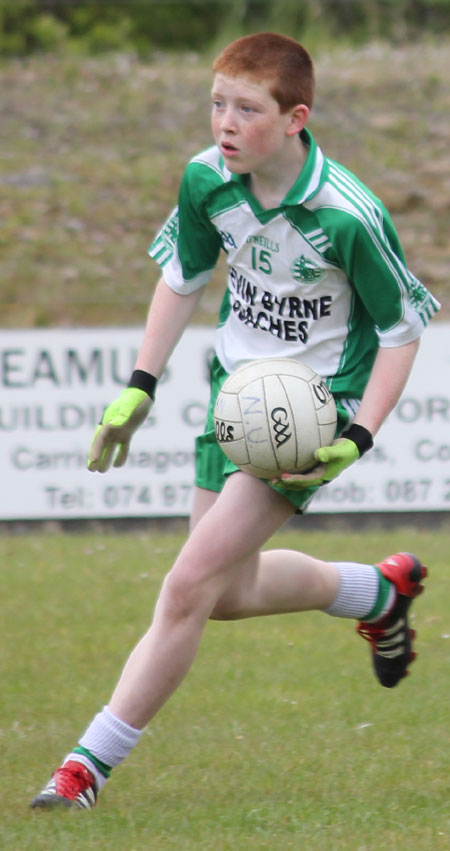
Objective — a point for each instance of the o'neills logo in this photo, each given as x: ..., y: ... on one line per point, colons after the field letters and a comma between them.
x: 280, y: 420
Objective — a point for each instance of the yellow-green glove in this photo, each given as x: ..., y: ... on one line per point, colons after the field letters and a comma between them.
x: 119, y: 422
x: 333, y: 460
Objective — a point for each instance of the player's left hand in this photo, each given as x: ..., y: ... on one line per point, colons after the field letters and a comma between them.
x: 113, y: 435
x: 333, y: 460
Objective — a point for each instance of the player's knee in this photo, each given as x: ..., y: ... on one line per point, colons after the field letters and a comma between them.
x: 181, y: 596
x: 176, y: 598
x: 226, y: 609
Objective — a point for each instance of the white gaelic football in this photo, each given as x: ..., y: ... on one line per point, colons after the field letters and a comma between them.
x: 272, y: 414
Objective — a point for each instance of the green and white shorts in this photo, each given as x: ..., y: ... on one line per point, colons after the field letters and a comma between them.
x: 212, y: 465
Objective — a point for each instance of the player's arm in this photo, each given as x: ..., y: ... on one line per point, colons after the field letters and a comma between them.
x: 168, y: 316
x: 388, y: 378
x: 370, y: 253
x: 387, y: 381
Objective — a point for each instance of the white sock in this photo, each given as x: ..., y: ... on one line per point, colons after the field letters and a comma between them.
x: 358, y: 590
x: 109, y: 739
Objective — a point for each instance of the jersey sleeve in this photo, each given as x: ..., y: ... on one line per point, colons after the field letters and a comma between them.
x: 188, y: 246
x: 399, y: 305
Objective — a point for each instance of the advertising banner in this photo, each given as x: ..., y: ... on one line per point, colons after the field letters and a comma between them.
x: 55, y: 384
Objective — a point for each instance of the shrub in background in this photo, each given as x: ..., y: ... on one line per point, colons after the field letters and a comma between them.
x: 93, y: 26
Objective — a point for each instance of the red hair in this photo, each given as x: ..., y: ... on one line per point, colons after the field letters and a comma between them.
x: 278, y: 59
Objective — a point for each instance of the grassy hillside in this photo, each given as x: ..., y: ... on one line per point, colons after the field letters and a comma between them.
x: 93, y: 150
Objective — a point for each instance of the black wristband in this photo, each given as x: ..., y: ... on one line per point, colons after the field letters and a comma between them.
x: 361, y: 436
x: 143, y: 381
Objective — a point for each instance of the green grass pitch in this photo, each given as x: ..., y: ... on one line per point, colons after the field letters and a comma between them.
x: 280, y: 737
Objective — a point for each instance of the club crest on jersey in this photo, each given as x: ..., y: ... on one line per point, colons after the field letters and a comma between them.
x: 304, y: 269
x: 417, y: 292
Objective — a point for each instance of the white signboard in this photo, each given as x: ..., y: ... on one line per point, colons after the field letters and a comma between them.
x: 409, y: 467
x: 55, y: 384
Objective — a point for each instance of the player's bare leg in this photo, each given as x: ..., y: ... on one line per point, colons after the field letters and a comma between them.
x: 280, y: 581
x: 236, y: 525
x: 271, y: 582
x: 220, y: 573
x: 203, y: 500
x: 277, y: 582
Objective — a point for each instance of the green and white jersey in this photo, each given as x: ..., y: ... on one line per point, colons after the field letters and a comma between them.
x: 321, y: 278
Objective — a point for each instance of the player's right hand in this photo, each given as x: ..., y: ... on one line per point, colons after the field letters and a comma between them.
x: 112, y: 437
x: 333, y: 460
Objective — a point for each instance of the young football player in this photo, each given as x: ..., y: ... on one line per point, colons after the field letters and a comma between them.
x: 315, y: 273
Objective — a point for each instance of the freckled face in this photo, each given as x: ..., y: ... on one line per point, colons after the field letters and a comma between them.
x: 247, y: 125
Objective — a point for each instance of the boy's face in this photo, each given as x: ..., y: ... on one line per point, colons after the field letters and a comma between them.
x: 247, y: 125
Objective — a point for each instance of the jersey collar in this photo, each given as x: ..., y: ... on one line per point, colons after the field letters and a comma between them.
x: 311, y: 176
x: 307, y: 184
